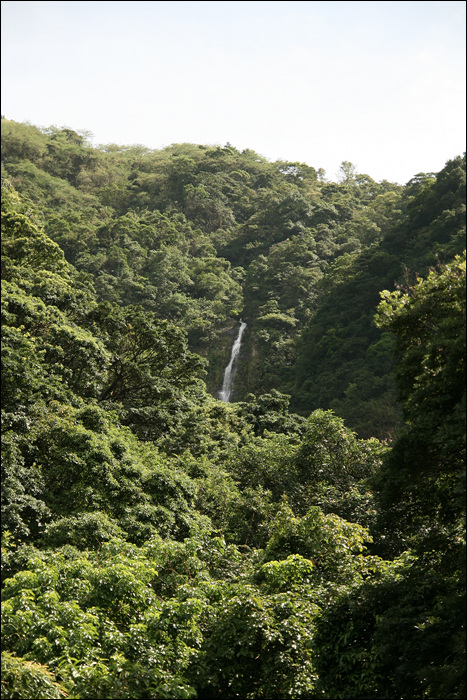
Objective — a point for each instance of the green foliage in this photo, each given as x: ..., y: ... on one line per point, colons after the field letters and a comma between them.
x: 24, y: 241
x: 69, y: 353
x: 267, y: 461
x: 408, y: 630
x: 286, y: 574
x: 333, y: 468
x: 261, y: 647
x: 148, y: 354
x: 423, y: 484
x: 341, y: 363
x: 399, y: 637
x: 333, y: 545
x: 331, y: 453
x: 26, y: 679
x: 270, y: 412
x: 161, y: 543
x: 96, y: 621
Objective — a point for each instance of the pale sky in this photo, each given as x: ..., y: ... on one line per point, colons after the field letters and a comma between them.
x: 380, y: 84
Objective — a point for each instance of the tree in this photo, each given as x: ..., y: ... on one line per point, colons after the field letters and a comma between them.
x: 151, y: 373
x: 407, y: 630
x: 22, y: 678
x: 93, y: 621
x: 421, y: 489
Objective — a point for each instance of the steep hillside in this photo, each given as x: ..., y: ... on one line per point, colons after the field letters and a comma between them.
x: 160, y: 543
x: 202, y: 236
x: 343, y: 361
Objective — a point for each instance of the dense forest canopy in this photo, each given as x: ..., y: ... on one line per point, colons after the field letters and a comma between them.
x: 306, y: 540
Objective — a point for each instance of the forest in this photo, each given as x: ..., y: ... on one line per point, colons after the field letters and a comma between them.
x: 304, y: 539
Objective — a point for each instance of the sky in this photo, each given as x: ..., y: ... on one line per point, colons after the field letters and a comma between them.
x: 379, y: 84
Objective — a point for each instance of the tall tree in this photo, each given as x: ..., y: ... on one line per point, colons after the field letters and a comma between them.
x: 408, y: 628
x: 422, y: 487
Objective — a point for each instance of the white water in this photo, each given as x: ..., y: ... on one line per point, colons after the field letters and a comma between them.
x: 229, y: 373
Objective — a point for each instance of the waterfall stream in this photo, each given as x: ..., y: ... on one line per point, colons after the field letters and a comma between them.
x: 229, y: 372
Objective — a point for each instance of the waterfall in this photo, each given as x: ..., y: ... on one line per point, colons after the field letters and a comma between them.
x: 229, y: 373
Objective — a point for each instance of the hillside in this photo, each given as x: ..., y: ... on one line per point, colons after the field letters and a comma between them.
x: 306, y: 540
x: 201, y: 236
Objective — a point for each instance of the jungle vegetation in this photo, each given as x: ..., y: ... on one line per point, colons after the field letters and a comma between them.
x: 306, y: 540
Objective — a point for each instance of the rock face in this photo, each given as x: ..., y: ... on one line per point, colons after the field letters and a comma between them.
x: 217, y: 356
x: 230, y: 370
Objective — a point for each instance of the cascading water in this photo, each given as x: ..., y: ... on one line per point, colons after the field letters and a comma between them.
x: 229, y: 372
